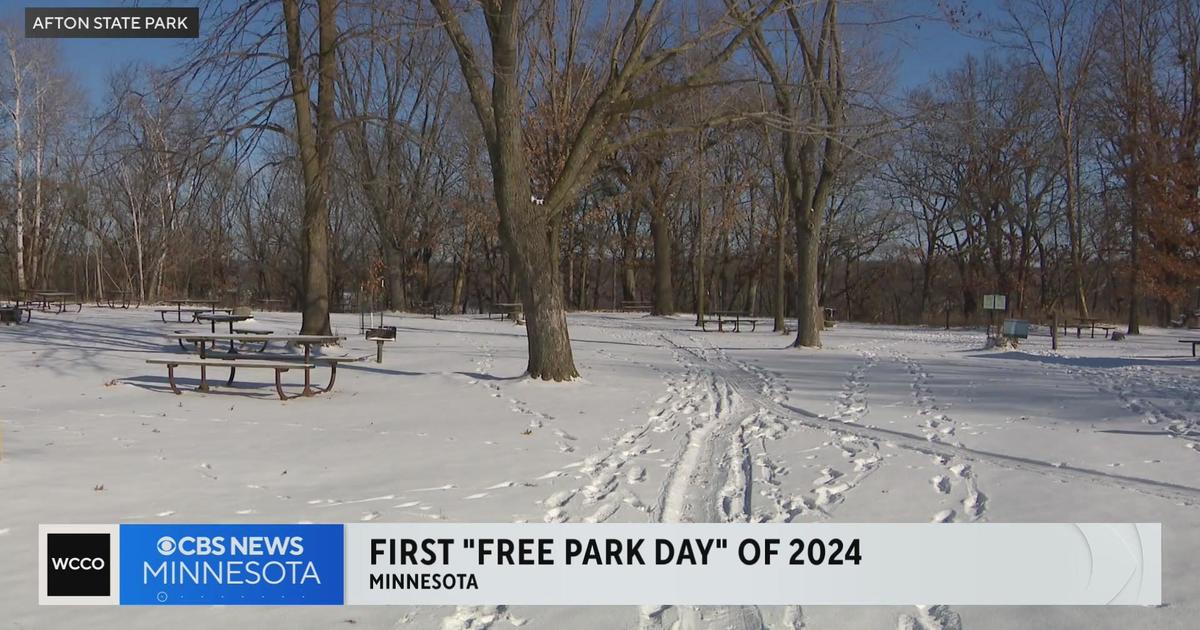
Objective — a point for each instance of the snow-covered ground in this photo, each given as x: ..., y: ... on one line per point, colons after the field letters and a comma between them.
x: 668, y: 423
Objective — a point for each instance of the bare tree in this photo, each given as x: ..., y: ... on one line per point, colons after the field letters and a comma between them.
x: 530, y: 221
x: 1061, y: 38
x: 812, y: 112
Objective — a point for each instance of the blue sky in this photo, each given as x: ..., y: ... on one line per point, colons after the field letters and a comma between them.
x: 922, y: 47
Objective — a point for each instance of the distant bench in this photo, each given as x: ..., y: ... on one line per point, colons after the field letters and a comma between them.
x: 191, y: 311
x: 1194, y: 342
x: 430, y: 308
x: 636, y: 306
x: 509, y: 310
x: 734, y: 318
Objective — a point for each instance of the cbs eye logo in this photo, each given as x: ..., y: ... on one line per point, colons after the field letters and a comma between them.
x: 165, y: 545
x: 77, y: 565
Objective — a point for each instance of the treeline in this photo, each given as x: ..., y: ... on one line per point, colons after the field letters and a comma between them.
x: 576, y: 155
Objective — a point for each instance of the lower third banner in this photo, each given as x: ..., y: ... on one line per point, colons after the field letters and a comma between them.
x: 602, y: 564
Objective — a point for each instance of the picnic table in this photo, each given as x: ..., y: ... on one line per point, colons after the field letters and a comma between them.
x: 202, y: 340
x: 510, y: 310
x: 116, y: 297
x: 48, y: 299
x: 737, y: 318
x: 1194, y: 342
x: 212, y: 307
x: 1081, y: 323
x: 637, y: 305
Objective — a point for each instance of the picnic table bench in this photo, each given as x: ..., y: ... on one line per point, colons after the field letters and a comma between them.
x: 1080, y: 323
x: 203, y: 340
x: 1194, y: 342
x: 429, y: 308
x: 736, y: 318
x: 637, y: 306
x: 279, y: 366
x: 179, y: 310
x: 116, y: 299
x: 1107, y: 328
x: 49, y: 300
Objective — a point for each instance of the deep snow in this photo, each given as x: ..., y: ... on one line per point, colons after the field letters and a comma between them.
x: 668, y: 423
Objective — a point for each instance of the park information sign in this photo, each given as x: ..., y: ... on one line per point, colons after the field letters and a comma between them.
x: 993, y: 302
x: 602, y: 564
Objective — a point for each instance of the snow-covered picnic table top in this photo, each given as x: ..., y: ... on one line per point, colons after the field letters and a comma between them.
x: 301, y: 339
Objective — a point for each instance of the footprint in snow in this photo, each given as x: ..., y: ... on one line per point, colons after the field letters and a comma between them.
x: 635, y: 474
x: 369, y: 516
x: 945, y: 516
x: 479, y: 495
x: 165, y: 514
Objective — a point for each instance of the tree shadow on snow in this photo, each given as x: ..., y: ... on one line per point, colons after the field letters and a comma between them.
x: 491, y: 377
x: 1091, y: 362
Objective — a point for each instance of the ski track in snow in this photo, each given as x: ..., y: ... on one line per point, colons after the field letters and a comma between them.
x: 722, y: 414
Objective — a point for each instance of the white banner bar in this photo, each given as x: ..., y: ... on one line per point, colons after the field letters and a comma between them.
x: 741, y: 563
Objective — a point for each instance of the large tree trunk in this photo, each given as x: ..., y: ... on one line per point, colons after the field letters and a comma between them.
x: 809, y: 318
x: 533, y: 254
x: 314, y: 144
x: 397, y: 293
x: 529, y: 231
x: 664, y: 288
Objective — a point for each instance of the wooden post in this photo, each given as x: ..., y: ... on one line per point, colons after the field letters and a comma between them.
x: 1054, y: 330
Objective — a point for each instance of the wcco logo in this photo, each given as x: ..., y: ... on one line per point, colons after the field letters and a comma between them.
x: 77, y: 564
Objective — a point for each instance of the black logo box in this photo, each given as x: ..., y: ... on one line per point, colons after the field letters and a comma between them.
x: 78, y: 582
x: 112, y: 22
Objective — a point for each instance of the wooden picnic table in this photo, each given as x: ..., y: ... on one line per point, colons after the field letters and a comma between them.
x: 738, y: 317
x: 212, y: 307
x: 47, y: 297
x: 1194, y: 342
x: 511, y: 310
x: 201, y: 340
x: 120, y: 296
x: 213, y: 318
x: 230, y: 318
x: 1080, y: 324
x: 637, y: 305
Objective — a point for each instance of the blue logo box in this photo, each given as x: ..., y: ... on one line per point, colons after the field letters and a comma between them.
x: 257, y: 565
